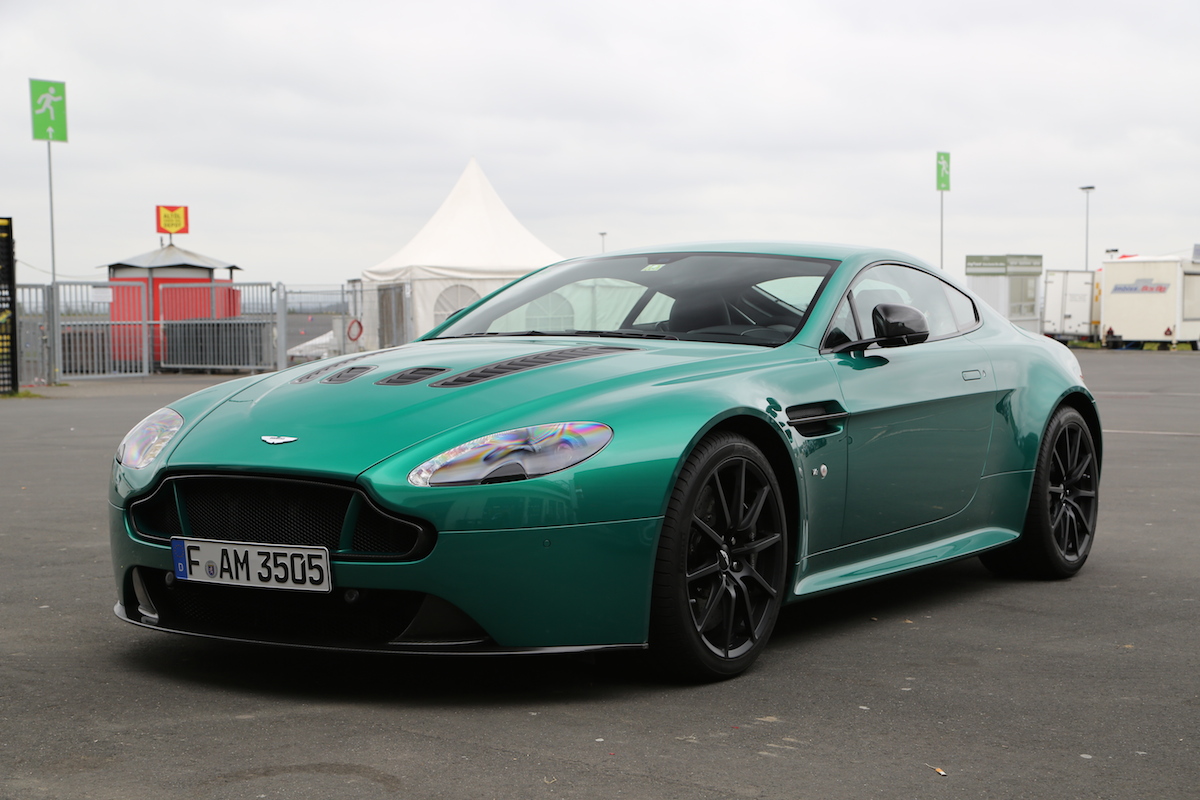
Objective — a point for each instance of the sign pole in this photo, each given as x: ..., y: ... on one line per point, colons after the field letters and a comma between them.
x: 48, y: 105
x: 50, y: 175
x: 55, y: 327
x: 943, y: 186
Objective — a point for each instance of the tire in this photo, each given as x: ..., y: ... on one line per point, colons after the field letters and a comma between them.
x: 1060, y: 524
x: 722, y: 563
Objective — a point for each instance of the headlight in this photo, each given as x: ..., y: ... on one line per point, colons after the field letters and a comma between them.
x: 147, y: 439
x: 514, y: 455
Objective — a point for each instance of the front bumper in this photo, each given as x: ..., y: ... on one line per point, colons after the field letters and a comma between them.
x: 555, y: 588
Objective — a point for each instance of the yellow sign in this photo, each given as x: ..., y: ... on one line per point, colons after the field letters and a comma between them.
x: 172, y: 219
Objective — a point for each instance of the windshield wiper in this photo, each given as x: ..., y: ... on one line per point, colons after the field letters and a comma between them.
x: 502, y: 333
x: 612, y: 334
x: 626, y: 334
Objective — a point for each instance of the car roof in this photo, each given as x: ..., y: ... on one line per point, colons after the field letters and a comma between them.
x: 837, y: 252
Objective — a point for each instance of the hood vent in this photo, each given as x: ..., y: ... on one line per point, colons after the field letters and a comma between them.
x: 414, y: 375
x: 502, y: 368
x: 323, y: 371
x: 347, y: 375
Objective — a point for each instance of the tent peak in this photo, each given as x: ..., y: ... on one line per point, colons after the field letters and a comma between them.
x: 473, y: 229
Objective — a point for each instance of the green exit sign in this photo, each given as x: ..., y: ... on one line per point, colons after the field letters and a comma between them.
x: 48, y: 101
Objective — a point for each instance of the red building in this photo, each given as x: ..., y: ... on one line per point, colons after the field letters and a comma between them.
x: 177, y: 285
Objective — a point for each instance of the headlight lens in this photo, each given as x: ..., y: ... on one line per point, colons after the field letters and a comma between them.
x: 514, y: 455
x: 147, y: 439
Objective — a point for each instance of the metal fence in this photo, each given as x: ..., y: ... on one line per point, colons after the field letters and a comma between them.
x: 116, y: 328
x: 120, y: 328
x: 32, y: 346
x: 103, y: 329
x: 324, y: 321
x: 219, y: 326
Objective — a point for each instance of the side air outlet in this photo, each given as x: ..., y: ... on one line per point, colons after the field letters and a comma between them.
x: 817, y: 419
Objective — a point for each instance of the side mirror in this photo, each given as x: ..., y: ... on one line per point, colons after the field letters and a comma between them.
x: 898, y: 325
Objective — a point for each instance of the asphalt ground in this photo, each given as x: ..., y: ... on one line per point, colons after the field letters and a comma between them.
x: 1088, y: 688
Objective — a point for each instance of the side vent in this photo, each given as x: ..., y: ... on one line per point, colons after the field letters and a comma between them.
x: 817, y: 419
x: 415, y: 375
x: 508, y: 367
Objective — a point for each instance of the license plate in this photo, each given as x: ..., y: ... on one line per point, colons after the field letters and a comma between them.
x: 300, y: 569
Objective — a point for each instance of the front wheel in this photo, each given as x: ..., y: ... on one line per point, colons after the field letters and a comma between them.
x: 1060, y: 524
x: 722, y: 562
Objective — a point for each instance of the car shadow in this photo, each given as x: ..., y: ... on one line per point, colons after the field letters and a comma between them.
x: 408, y: 680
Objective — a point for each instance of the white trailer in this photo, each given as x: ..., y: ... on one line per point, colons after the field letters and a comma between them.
x: 1150, y: 299
x: 1067, y: 308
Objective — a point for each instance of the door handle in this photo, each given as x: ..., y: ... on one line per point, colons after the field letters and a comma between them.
x: 973, y: 374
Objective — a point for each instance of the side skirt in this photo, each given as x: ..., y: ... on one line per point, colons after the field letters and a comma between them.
x: 926, y: 555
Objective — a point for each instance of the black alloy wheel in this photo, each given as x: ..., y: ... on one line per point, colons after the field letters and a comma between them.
x: 722, y: 562
x: 1060, y: 525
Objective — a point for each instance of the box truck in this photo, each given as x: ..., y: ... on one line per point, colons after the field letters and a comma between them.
x: 1068, y: 306
x: 1150, y: 299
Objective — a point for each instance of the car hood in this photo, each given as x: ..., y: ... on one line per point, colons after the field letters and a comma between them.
x: 347, y: 414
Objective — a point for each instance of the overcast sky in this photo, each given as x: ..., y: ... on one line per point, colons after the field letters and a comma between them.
x: 312, y: 140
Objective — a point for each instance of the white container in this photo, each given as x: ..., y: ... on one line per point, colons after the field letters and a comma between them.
x: 1067, y: 311
x: 1150, y: 299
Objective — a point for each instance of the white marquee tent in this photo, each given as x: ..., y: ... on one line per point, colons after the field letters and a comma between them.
x: 473, y: 245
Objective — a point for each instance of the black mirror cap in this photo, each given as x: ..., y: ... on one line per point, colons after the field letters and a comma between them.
x: 897, y: 325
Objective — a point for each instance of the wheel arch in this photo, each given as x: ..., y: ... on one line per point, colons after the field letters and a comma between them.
x: 1086, y: 407
x: 766, y: 438
x: 1038, y: 552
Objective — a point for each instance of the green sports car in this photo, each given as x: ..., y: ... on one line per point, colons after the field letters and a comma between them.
x: 654, y: 448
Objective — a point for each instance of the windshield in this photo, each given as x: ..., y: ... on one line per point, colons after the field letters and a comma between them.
x: 711, y: 297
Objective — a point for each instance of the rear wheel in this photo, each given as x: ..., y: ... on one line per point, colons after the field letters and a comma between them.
x: 722, y: 562
x: 1060, y: 524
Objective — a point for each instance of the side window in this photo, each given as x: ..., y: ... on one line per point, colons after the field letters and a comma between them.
x: 842, y: 329
x: 966, y: 317
x: 871, y: 290
x: 947, y: 310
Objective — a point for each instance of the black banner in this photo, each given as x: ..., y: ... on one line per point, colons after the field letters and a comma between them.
x: 8, y: 308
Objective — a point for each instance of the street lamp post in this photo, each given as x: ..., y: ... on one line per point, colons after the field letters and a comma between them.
x: 602, y: 235
x: 1087, y: 197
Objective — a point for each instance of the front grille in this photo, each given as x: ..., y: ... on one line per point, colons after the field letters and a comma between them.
x: 347, y: 617
x: 280, y: 512
x: 376, y: 616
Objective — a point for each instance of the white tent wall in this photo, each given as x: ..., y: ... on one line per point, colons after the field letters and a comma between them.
x: 470, y: 247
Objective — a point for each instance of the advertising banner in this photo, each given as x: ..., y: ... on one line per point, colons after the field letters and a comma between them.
x: 172, y: 219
